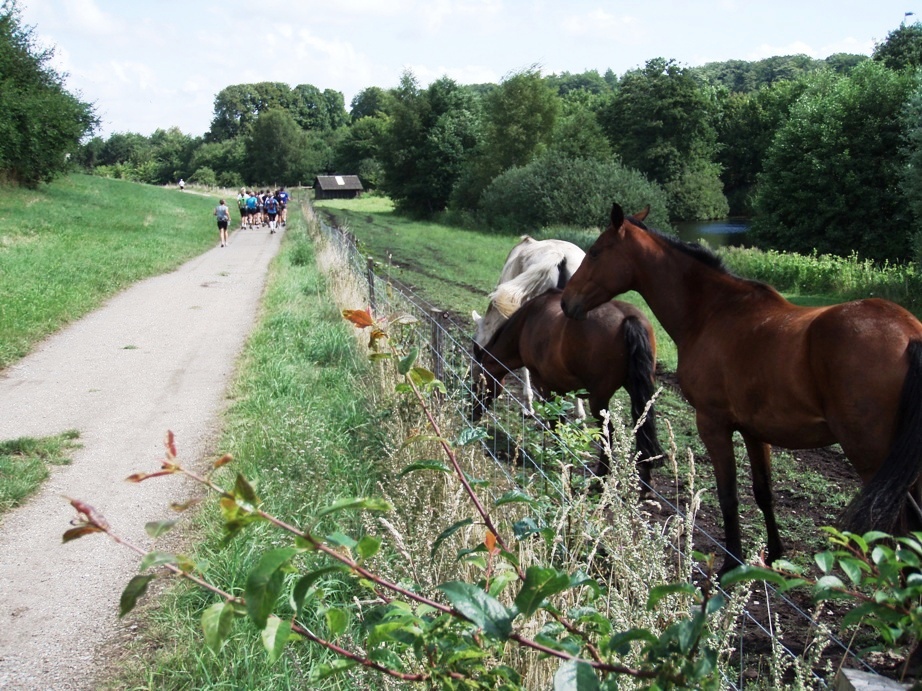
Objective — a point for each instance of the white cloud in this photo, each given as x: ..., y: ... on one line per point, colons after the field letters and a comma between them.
x: 86, y: 15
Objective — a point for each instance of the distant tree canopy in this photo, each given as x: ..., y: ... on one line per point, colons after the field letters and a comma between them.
x: 660, y: 121
x: 902, y: 49
x: 41, y: 123
x: 809, y: 149
x: 237, y: 107
x: 831, y: 176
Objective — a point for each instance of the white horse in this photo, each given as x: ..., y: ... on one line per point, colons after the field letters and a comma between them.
x: 532, y: 268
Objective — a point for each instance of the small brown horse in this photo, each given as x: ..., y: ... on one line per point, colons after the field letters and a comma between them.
x: 753, y: 363
x: 613, y: 347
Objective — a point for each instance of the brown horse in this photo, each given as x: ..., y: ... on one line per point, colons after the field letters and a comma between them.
x: 753, y: 363
x: 613, y: 347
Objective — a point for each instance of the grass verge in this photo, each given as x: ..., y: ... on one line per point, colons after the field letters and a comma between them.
x: 24, y: 464
x: 69, y: 245
x: 300, y: 429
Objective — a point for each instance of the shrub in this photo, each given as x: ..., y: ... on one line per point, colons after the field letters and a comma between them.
x: 567, y: 191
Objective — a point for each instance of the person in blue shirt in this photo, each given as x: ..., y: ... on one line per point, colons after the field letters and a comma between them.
x: 272, y: 210
x: 283, y: 198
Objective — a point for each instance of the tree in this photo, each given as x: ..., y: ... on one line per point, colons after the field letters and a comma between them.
x: 556, y: 190
x: 370, y: 102
x: 237, y: 107
x: 660, y: 121
x: 518, y: 125
x: 358, y: 149
x: 431, y: 133
x: 275, y: 149
x: 902, y: 49
x: 745, y: 131
x: 41, y: 123
x: 832, y: 174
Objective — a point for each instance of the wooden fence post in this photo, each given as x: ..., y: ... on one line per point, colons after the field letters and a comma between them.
x: 370, y: 274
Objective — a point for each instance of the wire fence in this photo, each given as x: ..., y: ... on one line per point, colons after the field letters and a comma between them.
x: 516, y: 439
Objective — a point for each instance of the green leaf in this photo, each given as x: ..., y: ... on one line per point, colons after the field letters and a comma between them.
x: 421, y: 376
x: 136, y: 587
x: 154, y: 559
x: 447, y: 533
x: 217, y: 622
x: 363, y: 503
x: 325, y: 671
x: 576, y: 676
x: 825, y: 560
x: 477, y: 606
x: 337, y: 621
x: 405, y: 363
x: 747, y: 572
x: 469, y: 435
x: 424, y: 465
x: 620, y: 643
x: 301, y: 590
x: 264, y: 584
x: 540, y: 583
x: 853, y: 568
x: 514, y: 497
x: 661, y: 591
x: 368, y: 546
x: 158, y: 528
x: 275, y: 635
x: 244, y: 491
x: 342, y: 540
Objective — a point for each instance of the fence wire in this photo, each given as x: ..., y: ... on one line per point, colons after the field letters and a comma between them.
x: 517, y: 440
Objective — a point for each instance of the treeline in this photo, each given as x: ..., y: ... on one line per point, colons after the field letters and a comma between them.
x: 822, y: 154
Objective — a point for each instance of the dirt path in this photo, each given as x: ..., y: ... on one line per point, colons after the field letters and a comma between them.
x: 156, y: 357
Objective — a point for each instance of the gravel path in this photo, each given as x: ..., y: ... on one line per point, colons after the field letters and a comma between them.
x: 158, y: 356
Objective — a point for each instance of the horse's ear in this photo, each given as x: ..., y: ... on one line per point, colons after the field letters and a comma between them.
x: 643, y: 213
x: 617, y: 216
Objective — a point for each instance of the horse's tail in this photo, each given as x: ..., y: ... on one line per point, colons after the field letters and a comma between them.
x: 880, y: 503
x: 640, y: 388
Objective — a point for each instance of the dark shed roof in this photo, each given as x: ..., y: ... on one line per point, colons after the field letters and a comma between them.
x: 332, y: 183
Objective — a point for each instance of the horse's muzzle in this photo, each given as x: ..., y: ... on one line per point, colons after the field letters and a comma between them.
x: 573, y: 308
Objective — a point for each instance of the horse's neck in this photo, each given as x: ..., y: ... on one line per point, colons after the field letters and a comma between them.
x: 491, y: 322
x: 679, y: 289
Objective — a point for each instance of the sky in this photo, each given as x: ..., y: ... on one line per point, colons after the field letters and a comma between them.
x: 156, y: 64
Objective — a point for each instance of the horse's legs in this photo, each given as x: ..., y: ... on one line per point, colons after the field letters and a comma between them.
x: 760, y: 461
x: 529, y: 394
x: 718, y: 439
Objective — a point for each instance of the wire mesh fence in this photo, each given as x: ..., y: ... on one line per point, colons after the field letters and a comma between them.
x: 528, y: 452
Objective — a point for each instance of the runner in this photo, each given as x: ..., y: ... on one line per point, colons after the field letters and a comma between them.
x: 222, y: 213
x: 242, y: 207
x: 252, y: 209
x: 272, y: 210
x: 283, y: 197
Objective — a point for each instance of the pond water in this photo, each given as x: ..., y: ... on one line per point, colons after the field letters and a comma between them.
x: 727, y: 231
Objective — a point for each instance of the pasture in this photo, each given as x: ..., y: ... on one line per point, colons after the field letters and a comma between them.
x: 69, y: 245
x: 454, y: 269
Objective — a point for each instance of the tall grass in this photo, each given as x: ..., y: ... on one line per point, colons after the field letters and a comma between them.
x: 301, y: 428
x: 843, y: 278
x: 67, y: 246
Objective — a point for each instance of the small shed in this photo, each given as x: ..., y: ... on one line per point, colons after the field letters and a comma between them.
x: 337, y: 187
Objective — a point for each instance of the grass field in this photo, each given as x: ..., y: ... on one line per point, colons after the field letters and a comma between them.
x: 64, y: 249
x: 455, y: 269
x: 68, y: 246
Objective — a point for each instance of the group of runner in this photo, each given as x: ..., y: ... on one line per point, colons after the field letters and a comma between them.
x: 263, y: 208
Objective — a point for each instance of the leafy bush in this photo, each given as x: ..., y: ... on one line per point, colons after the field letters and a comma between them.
x: 204, y: 176
x: 41, y: 124
x: 567, y: 191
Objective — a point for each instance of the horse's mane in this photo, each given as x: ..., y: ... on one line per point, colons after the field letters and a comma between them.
x: 703, y: 254
x: 692, y: 249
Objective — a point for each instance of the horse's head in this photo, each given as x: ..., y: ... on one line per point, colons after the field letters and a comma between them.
x: 606, y: 271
